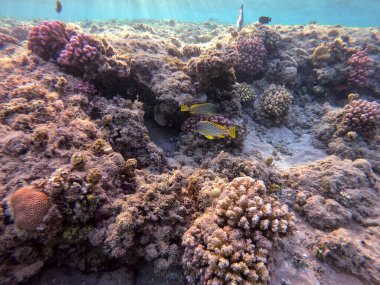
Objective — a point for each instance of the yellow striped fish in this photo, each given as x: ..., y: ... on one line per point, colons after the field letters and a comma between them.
x: 211, y: 130
x: 200, y: 109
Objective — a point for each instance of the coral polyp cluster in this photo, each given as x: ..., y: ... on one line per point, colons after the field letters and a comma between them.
x: 360, y: 69
x: 49, y: 38
x: 275, y: 102
x: 231, y: 244
x: 252, y: 56
x: 78, y: 50
x: 362, y: 116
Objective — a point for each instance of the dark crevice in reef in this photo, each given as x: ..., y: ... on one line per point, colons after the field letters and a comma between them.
x: 128, y: 88
x: 164, y: 137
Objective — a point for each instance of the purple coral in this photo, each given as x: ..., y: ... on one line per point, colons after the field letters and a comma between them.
x: 85, y: 87
x: 361, y: 115
x: 49, y: 38
x: 252, y: 56
x: 78, y: 51
x: 359, y: 69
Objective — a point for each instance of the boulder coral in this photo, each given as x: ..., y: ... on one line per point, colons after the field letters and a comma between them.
x: 29, y: 207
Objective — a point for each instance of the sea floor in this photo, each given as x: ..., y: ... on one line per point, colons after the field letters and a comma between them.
x: 131, y: 189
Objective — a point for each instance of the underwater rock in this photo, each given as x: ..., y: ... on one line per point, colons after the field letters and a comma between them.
x: 352, y: 252
x: 348, y: 183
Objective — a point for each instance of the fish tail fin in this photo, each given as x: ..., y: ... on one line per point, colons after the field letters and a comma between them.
x: 184, y: 108
x: 232, y: 132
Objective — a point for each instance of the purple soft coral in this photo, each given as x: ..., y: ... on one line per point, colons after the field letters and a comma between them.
x: 78, y: 51
x: 49, y: 38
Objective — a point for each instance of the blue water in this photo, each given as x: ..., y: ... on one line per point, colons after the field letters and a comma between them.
x: 363, y: 13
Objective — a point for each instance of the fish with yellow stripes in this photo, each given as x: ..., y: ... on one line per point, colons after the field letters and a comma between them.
x: 211, y: 130
x: 200, y: 109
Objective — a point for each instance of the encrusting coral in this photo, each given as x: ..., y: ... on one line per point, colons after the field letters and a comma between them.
x: 231, y: 244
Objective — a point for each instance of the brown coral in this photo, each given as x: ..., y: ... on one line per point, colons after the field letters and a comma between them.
x: 29, y: 207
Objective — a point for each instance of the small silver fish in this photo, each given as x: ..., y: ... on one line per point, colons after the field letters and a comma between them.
x: 240, y: 20
x: 211, y: 130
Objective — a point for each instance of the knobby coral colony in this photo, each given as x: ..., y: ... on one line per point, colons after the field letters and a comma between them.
x: 83, y: 184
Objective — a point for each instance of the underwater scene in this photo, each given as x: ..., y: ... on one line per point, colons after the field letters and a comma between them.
x: 176, y: 142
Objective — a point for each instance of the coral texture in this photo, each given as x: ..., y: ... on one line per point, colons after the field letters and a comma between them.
x: 362, y: 116
x: 49, y: 38
x: 275, y: 102
x: 214, y: 67
x: 245, y: 92
x: 231, y: 244
x: 29, y: 207
x: 335, y: 196
x: 78, y: 51
x: 252, y: 56
x: 359, y: 69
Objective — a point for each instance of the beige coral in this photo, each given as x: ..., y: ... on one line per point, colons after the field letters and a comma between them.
x: 230, y: 244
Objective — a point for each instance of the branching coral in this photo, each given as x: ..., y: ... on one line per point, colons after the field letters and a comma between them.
x: 49, y: 38
x: 230, y: 245
x: 359, y: 69
x: 246, y: 92
x: 362, y: 116
x: 78, y: 51
x: 148, y: 223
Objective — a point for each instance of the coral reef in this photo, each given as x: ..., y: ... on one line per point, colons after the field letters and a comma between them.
x: 232, y: 245
x: 101, y: 171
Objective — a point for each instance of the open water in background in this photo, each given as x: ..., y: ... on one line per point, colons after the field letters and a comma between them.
x: 359, y: 13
